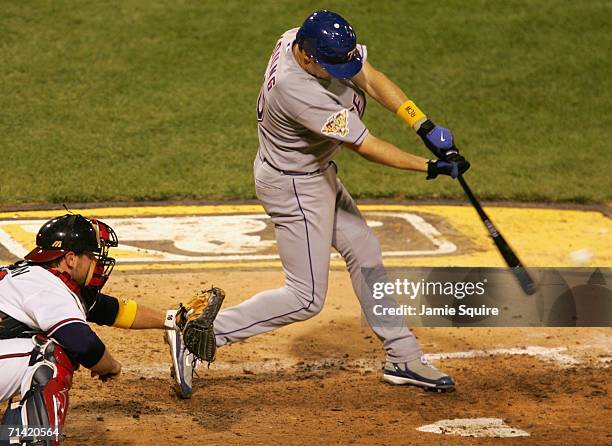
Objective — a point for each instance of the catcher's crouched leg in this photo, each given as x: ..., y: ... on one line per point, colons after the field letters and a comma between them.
x: 44, y: 404
x: 195, y: 321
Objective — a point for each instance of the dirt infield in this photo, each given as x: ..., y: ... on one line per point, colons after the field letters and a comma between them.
x: 319, y: 381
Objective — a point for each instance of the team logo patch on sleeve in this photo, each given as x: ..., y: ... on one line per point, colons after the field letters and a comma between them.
x: 337, y: 124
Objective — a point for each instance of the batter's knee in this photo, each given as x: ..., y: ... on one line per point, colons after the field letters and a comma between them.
x: 311, y: 302
x: 314, y: 308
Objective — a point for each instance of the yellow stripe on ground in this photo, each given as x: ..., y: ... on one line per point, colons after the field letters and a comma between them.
x: 488, y: 259
x: 20, y: 235
x: 140, y: 211
x: 540, y: 237
x: 198, y: 265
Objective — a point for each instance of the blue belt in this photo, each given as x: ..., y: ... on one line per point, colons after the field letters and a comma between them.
x: 293, y: 173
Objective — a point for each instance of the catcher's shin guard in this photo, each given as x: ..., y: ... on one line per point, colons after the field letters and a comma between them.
x: 44, y: 405
x: 11, y: 418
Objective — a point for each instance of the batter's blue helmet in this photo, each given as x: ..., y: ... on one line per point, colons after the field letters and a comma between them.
x: 331, y: 42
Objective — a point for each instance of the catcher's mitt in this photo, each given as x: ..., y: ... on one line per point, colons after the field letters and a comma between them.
x: 195, y: 322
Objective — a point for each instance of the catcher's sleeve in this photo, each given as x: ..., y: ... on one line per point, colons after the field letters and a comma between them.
x: 108, y: 310
x: 104, y: 310
x: 126, y: 314
x: 81, y: 343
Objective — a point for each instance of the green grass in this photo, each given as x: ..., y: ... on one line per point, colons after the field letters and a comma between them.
x: 155, y: 100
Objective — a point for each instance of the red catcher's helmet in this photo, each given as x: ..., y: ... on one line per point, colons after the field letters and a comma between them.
x: 73, y: 232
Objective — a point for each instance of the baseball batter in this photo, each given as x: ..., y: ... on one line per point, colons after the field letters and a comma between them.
x: 310, y: 106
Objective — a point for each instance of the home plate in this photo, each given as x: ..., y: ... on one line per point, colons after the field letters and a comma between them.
x: 474, y: 427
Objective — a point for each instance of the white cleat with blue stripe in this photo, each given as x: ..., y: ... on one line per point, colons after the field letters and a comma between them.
x: 418, y: 372
x: 182, y: 361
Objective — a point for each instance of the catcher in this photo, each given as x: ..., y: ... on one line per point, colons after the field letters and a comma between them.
x: 46, y: 304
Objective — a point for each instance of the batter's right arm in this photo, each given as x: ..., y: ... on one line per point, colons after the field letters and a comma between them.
x: 382, y: 152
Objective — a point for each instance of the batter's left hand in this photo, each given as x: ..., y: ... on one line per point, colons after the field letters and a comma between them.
x: 453, y: 166
x: 438, y: 139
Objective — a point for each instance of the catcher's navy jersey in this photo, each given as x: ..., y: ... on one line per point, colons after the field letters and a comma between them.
x: 304, y: 120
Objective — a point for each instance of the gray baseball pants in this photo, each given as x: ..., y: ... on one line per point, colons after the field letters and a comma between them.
x: 312, y: 213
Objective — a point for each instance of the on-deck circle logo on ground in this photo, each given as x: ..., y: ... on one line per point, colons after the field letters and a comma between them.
x: 230, y: 238
x: 225, y: 236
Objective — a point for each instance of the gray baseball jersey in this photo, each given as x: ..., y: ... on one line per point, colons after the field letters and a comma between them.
x: 302, y: 123
x: 304, y: 120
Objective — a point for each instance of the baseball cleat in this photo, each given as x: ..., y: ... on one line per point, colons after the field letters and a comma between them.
x: 182, y: 361
x: 418, y: 372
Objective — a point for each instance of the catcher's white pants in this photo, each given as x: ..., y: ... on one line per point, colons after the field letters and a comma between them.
x: 14, y: 360
x: 312, y: 214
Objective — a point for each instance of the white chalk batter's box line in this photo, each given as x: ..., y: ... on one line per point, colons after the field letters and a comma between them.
x: 210, y: 238
x: 555, y: 355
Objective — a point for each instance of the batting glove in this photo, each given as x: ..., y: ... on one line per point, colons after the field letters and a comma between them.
x: 453, y: 166
x: 438, y: 139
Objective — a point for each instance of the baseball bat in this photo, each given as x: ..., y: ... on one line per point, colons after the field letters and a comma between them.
x: 522, y: 275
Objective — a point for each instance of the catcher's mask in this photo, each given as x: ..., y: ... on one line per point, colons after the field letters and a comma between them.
x: 73, y: 232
